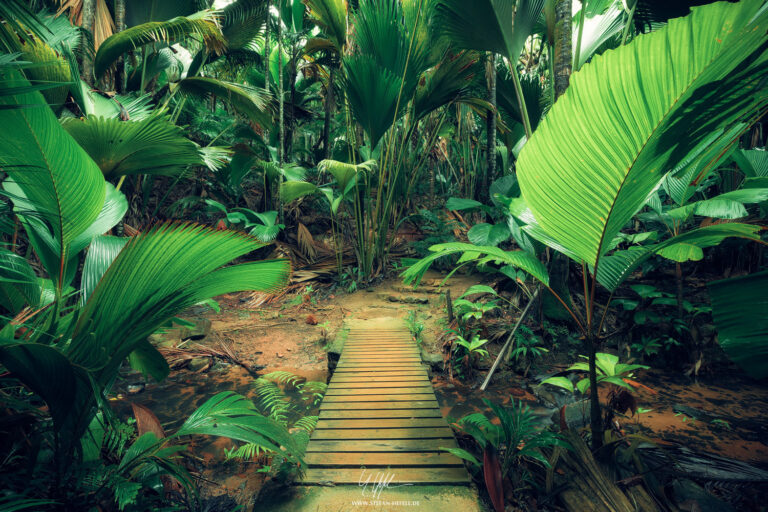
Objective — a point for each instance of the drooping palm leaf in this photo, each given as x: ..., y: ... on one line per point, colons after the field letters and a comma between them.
x: 739, y: 308
x: 202, y: 25
x: 478, y: 254
x: 231, y: 415
x: 54, y: 173
x: 151, y: 146
x: 631, y: 114
x: 249, y: 101
x: 499, y: 26
x: 171, y: 267
x: 448, y: 81
x: 20, y: 21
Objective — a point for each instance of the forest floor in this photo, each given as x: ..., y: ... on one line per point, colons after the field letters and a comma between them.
x: 724, y: 417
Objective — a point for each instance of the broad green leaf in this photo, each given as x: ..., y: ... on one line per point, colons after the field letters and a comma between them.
x: 292, y: 190
x: 486, y: 234
x: 479, y: 288
x: 560, y: 382
x: 739, y: 308
x: 627, y: 117
x: 682, y: 252
x: 459, y: 204
x: 153, y: 145
x: 57, y: 177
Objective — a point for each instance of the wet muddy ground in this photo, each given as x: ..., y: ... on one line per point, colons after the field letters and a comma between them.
x: 723, y: 416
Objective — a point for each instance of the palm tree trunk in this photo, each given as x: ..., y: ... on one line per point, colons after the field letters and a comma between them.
x: 563, y: 46
x: 329, y: 105
x: 86, y: 23
x: 281, y: 99
x: 490, y: 174
x: 266, y: 50
x: 121, y: 76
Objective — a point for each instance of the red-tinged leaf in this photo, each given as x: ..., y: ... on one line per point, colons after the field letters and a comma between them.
x: 638, y: 385
x: 563, y: 422
x: 493, y: 477
x: 146, y: 421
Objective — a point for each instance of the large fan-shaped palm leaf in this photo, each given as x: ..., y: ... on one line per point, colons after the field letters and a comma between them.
x: 500, y: 26
x: 154, y: 276
x: 150, y: 146
x: 632, y: 114
x: 202, y: 25
x: 52, y: 170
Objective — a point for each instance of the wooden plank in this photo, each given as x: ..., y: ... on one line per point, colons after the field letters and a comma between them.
x: 379, y: 413
x: 381, y: 459
x: 380, y: 423
x: 342, y: 390
x: 393, y: 476
x: 356, y: 374
x: 380, y: 364
x: 380, y: 350
x: 380, y: 357
x: 384, y: 433
x: 381, y: 445
x: 365, y: 385
x: 388, y: 404
x: 395, y: 397
x: 352, y: 379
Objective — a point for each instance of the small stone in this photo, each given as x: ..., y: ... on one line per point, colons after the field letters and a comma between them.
x: 198, y: 364
x: 135, y: 389
x: 279, y: 355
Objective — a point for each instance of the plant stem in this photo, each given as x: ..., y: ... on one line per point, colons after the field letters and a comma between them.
x: 630, y: 19
x: 521, y: 100
x: 577, y: 55
x: 596, y: 418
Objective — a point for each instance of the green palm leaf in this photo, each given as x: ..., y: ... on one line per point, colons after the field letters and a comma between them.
x: 738, y: 308
x: 331, y: 17
x: 480, y: 254
x: 18, y: 282
x: 202, y: 25
x: 499, y: 26
x: 632, y: 113
x: 169, y: 268
x: 249, y: 101
x: 150, y: 146
x: 54, y: 173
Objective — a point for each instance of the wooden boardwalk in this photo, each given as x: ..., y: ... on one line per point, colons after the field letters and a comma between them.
x: 380, y: 412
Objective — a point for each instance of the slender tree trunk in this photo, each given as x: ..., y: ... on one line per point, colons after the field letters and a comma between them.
x: 490, y: 174
x: 266, y: 50
x: 294, y: 72
x: 281, y: 100
x: 121, y: 75
x: 329, y: 107
x: 563, y: 45
x: 86, y: 23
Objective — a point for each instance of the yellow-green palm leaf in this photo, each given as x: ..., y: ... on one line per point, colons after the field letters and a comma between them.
x: 631, y: 114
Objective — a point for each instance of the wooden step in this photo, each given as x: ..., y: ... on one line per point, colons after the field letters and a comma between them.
x: 393, y: 476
